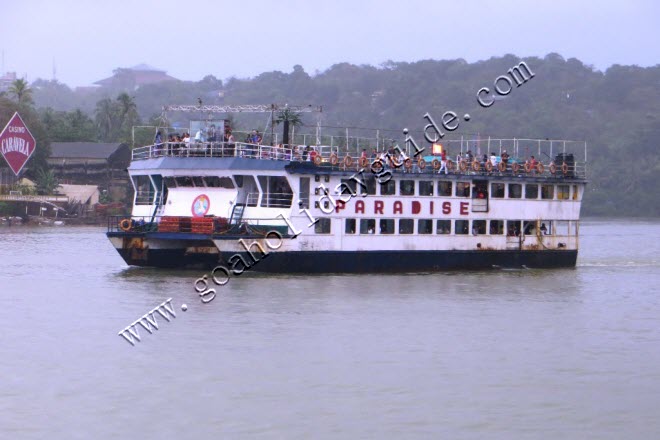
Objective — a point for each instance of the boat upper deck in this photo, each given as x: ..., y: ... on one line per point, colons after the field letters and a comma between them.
x: 524, y: 160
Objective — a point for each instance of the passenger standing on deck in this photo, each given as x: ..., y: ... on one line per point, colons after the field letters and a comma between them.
x: 443, y: 162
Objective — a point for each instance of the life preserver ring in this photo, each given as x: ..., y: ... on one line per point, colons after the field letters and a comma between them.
x: 317, y: 160
x: 489, y: 166
x: 515, y: 167
x: 393, y: 162
x: 436, y: 164
x: 421, y: 163
x: 462, y: 166
x: 363, y: 162
x: 451, y: 166
x: 348, y: 161
x: 476, y: 166
x: 553, y: 168
x: 564, y: 168
x: 501, y: 166
x: 540, y: 168
x: 334, y: 160
x: 125, y: 225
x: 407, y: 163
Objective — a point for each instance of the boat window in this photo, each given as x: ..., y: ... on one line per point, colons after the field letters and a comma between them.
x: 388, y: 188
x: 515, y: 190
x: 444, y: 189
x: 461, y: 227
x: 425, y: 187
x: 348, y: 188
x: 531, y: 191
x: 322, y: 226
x: 443, y: 227
x: 425, y: 226
x: 496, y: 227
x: 497, y: 190
x: 303, y: 193
x: 367, y: 226
x: 370, y: 181
x: 239, y: 181
x: 386, y: 226
x: 407, y: 187
x: 478, y: 227
x: 406, y: 226
x: 576, y: 193
x: 462, y: 189
x: 219, y: 182
x: 547, y: 191
x: 349, y: 226
x: 276, y: 192
x: 198, y: 181
x: 546, y: 227
x: 144, y: 190
x: 563, y: 192
x: 561, y: 227
x: 184, y: 181
x: 170, y: 182
x: 513, y: 228
x: 529, y: 227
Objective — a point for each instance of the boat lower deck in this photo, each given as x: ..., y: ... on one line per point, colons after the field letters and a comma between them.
x: 201, y: 252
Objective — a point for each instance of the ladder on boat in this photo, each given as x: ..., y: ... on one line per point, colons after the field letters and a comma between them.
x: 237, y: 214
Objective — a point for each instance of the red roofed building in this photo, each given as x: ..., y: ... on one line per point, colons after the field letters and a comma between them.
x: 134, y: 77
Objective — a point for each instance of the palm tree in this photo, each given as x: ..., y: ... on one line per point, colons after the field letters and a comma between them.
x: 21, y: 91
x: 106, y: 118
x: 289, y: 118
x: 46, y: 181
x: 128, y: 115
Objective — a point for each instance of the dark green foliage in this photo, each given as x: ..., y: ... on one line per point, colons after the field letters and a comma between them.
x: 617, y: 111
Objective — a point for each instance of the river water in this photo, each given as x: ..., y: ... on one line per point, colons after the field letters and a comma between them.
x: 531, y: 354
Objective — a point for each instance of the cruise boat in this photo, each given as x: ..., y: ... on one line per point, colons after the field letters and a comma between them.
x: 273, y: 208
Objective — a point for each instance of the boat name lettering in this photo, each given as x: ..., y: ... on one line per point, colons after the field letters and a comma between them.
x: 415, y: 207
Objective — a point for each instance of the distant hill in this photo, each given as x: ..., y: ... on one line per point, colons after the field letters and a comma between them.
x: 617, y: 111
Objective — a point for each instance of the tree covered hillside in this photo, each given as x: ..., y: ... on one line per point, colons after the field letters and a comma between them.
x: 617, y: 111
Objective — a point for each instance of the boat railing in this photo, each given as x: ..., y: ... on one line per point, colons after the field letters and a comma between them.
x: 527, y: 157
x: 208, y: 225
x: 270, y: 200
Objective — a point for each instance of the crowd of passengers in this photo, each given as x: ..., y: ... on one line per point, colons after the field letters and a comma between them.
x: 181, y: 144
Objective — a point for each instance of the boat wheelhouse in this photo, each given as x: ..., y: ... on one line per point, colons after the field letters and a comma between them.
x: 335, y: 210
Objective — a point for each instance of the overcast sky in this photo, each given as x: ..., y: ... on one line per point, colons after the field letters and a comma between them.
x: 190, y: 39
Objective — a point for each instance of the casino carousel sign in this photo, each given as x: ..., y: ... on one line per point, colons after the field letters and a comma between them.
x: 16, y: 143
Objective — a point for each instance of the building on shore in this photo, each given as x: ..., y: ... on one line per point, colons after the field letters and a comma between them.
x: 91, y: 163
x: 134, y: 77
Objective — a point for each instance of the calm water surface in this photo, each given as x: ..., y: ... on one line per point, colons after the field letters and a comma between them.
x: 552, y: 354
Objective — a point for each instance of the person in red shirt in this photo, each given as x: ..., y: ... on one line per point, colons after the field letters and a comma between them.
x: 443, y: 162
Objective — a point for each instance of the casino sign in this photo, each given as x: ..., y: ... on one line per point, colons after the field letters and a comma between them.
x: 16, y: 143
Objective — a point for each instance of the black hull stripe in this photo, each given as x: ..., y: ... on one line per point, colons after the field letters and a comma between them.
x: 362, y: 262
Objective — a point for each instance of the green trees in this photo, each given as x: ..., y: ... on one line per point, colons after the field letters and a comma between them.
x: 74, y: 126
x: 616, y: 111
x: 46, y: 181
x: 21, y: 92
x: 115, y: 119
